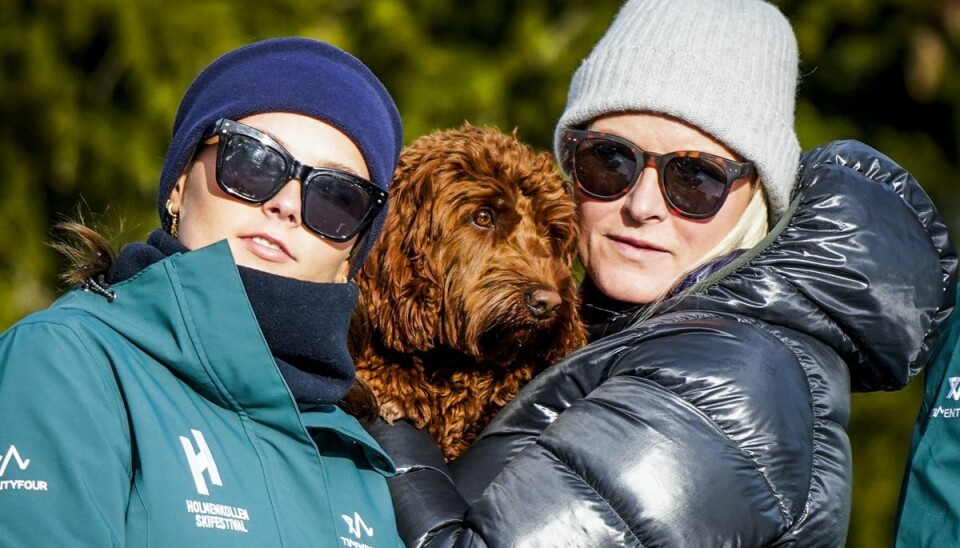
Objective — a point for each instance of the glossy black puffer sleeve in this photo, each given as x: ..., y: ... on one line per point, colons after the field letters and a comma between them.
x: 719, y: 421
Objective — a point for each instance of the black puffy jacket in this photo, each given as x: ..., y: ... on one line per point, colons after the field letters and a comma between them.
x: 719, y: 421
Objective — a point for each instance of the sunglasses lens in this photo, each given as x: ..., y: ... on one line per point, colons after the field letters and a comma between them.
x: 604, y: 168
x: 694, y: 185
x: 251, y: 170
x: 335, y: 207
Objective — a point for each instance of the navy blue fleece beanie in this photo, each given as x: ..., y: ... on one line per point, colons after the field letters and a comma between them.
x: 295, y: 75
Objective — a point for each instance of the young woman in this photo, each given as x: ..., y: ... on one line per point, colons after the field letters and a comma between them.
x: 186, y: 393
x: 710, y: 408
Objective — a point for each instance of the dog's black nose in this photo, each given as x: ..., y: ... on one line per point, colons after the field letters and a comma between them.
x: 542, y: 302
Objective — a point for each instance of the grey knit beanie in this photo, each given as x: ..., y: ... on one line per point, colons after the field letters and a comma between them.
x: 728, y: 67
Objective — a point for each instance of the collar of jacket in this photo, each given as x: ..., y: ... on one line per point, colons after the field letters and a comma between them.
x: 190, y: 313
x: 304, y: 323
x: 605, y: 316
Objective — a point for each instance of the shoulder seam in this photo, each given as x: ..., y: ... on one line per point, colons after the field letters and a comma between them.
x: 108, y: 386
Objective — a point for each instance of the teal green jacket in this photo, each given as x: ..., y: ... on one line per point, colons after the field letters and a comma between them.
x: 160, y: 419
x: 929, y: 513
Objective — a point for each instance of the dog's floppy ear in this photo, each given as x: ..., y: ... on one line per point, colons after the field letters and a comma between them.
x: 399, y: 288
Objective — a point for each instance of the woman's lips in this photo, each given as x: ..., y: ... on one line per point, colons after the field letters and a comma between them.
x: 267, y: 248
x: 640, y: 249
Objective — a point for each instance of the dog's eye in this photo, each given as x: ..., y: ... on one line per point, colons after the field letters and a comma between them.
x: 483, y: 218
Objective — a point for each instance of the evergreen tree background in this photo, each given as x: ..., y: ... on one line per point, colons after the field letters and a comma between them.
x: 89, y: 89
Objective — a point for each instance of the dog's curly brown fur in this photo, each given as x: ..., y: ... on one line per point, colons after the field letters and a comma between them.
x: 456, y: 308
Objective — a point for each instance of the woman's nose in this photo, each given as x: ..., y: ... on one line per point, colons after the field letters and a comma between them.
x: 285, y: 205
x: 645, y: 202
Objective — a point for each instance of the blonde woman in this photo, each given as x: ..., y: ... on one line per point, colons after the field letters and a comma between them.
x: 736, y: 293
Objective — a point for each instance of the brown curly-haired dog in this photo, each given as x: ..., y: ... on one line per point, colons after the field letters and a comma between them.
x: 469, y: 291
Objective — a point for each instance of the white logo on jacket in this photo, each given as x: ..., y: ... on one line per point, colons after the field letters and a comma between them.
x: 357, y: 526
x: 201, y: 460
x: 13, y: 455
x: 954, y: 389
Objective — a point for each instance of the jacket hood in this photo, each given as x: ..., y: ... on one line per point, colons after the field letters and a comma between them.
x: 189, y: 313
x: 171, y: 311
x: 861, y: 260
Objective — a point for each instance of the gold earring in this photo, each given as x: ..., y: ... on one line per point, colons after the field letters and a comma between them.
x: 174, y: 219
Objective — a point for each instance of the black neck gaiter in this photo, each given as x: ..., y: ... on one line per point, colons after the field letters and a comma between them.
x: 304, y: 323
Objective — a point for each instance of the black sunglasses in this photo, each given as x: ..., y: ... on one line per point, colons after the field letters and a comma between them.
x: 253, y: 167
x: 694, y: 184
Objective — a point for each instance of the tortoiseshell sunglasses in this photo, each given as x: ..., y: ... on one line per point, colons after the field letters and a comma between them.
x: 694, y: 184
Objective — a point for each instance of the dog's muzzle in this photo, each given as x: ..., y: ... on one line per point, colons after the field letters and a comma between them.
x: 543, y: 302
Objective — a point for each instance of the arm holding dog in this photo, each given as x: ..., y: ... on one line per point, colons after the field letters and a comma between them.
x: 641, y: 458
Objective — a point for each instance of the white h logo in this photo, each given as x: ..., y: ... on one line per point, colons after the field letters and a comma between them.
x: 200, y: 461
x: 357, y: 526
x: 954, y: 388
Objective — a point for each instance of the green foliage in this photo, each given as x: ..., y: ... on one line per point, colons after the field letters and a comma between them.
x: 90, y: 89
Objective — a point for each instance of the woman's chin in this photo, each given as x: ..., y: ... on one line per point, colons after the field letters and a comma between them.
x: 629, y: 287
